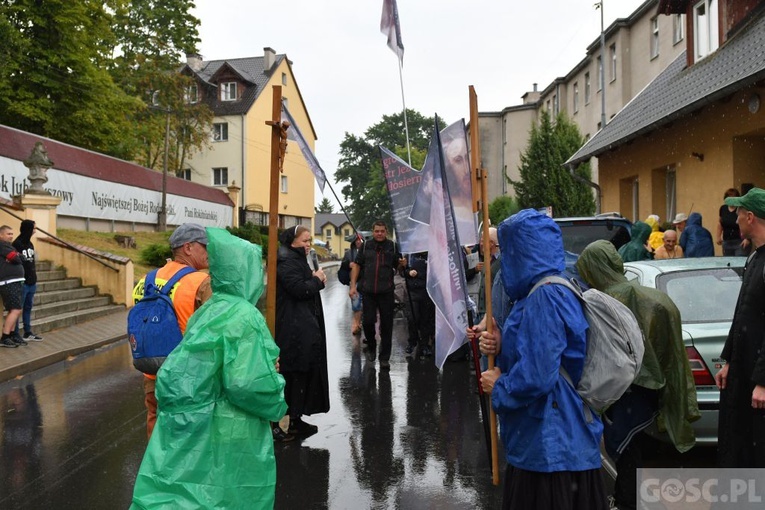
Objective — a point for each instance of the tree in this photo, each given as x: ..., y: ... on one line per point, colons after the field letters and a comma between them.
x: 325, y: 206
x: 501, y: 208
x: 361, y: 169
x: 544, y: 180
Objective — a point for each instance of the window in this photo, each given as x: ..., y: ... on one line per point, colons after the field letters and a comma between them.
x: 655, y: 37
x: 284, y: 78
x: 220, y: 132
x: 328, y: 234
x: 612, y: 52
x: 576, y: 97
x: 286, y: 102
x: 705, y: 30
x: 185, y: 174
x: 587, y: 88
x: 347, y: 232
x: 555, y: 104
x: 600, y: 72
x: 220, y: 176
x: 678, y: 28
x: 228, y: 91
x: 191, y: 95
x: 284, y: 184
x: 548, y: 105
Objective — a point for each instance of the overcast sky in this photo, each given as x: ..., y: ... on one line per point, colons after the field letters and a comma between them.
x: 349, y: 77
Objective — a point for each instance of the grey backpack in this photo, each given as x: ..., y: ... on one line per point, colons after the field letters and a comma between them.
x: 615, y: 347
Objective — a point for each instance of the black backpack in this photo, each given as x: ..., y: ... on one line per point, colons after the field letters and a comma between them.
x: 153, y: 330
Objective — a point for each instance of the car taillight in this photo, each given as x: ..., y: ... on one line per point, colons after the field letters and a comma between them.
x: 701, y: 374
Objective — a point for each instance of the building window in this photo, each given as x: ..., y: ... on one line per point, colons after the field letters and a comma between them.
x: 548, y: 105
x: 328, y: 234
x: 678, y: 28
x: 576, y: 97
x: 228, y: 91
x: 347, y: 232
x: 191, y: 95
x: 286, y: 102
x: 655, y: 37
x: 185, y: 174
x: 587, y: 88
x: 600, y: 72
x: 671, y: 192
x: 220, y: 176
x: 220, y: 132
x: 284, y: 78
x: 612, y: 52
x: 284, y: 184
x: 705, y: 30
x: 555, y: 104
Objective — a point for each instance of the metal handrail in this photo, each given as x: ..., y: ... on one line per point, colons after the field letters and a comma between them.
x: 3, y: 208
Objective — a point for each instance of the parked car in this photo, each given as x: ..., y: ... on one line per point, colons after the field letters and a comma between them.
x: 705, y: 290
x: 579, y: 232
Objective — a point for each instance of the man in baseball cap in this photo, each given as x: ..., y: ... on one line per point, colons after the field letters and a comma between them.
x: 188, y: 233
x: 741, y: 443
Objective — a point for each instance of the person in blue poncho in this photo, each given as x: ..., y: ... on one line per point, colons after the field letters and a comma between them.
x: 217, y: 392
x: 552, y: 448
x: 696, y: 241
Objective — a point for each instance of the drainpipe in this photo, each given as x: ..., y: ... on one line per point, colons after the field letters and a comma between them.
x: 244, y: 172
x: 595, y: 185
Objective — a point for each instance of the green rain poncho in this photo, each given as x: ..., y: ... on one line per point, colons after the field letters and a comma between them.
x: 665, y: 364
x: 217, y: 392
x: 635, y: 249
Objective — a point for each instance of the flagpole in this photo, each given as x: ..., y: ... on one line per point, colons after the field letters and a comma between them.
x: 403, y: 101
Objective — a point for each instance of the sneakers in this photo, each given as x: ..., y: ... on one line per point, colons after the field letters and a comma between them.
x: 31, y: 337
x: 281, y: 436
x: 17, y: 339
x: 300, y: 428
x: 6, y: 341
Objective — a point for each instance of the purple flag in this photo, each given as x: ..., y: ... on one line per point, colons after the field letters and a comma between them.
x: 294, y: 134
x: 390, y: 26
x: 402, y: 182
x: 446, y: 272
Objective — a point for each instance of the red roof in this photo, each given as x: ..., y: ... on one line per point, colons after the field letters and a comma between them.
x: 15, y: 144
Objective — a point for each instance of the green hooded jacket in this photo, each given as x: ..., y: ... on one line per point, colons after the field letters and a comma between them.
x: 217, y: 392
x: 665, y: 364
x: 635, y: 249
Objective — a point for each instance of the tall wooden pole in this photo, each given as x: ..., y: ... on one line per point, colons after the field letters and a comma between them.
x: 480, y: 183
x: 273, y: 206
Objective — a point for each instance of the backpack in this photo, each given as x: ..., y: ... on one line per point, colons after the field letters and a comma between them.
x: 615, y: 347
x: 344, y: 273
x: 153, y: 330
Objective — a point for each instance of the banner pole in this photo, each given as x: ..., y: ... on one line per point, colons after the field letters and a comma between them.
x: 403, y: 101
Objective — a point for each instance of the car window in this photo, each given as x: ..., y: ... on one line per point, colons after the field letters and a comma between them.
x: 704, y: 295
x: 576, y: 237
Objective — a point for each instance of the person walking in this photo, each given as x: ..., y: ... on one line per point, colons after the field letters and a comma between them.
x: 217, y: 393
x: 189, y: 246
x: 741, y: 425
x: 552, y: 449
x: 421, y: 312
x: 23, y: 244
x: 696, y: 241
x: 349, y: 259
x: 372, y: 276
x: 300, y: 332
x: 11, y: 288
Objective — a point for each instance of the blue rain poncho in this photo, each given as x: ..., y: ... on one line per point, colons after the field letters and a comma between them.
x: 212, y: 445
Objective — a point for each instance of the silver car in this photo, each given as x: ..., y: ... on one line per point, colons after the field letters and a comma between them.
x: 705, y: 290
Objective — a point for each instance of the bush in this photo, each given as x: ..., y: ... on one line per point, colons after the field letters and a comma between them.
x: 248, y: 232
x: 156, y: 254
x: 501, y: 208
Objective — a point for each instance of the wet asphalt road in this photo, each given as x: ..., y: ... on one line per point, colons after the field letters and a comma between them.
x: 73, y: 434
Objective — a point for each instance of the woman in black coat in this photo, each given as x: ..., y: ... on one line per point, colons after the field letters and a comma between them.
x: 300, y: 330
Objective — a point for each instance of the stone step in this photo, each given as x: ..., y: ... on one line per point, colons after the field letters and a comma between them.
x: 44, y: 265
x: 54, y: 296
x: 72, y: 318
x: 71, y: 305
x: 50, y: 275
x: 66, y: 284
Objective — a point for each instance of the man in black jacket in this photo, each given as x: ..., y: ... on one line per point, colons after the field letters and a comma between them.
x: 23, y: 244
x: 375, y: 266
x: 11, y: 279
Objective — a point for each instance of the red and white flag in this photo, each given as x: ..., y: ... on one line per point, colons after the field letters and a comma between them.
x: 390, y: 26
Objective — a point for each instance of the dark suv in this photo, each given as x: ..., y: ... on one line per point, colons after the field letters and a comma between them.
x: 579, y: 232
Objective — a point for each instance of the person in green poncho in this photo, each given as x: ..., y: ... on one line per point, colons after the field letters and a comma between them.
x: 217, y: 392
x: 637, y: 248
x: 663, y: 394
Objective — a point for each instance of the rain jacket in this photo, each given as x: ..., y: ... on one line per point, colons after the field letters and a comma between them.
x: 542, y: 417
x: 656, y: 238
x: 696, y: 241
x: 635, y: 249
x: 665, y: 364
x: 217, y: 392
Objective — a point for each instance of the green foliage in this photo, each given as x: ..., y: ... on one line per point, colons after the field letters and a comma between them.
x: 156, y: 254
x: 249, y: 232
x: 325, y: 206
x: 544, y: 180
x: 501, y: 208
x: 360, y: 167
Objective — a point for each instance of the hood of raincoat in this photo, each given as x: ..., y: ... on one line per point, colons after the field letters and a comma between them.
x: 693, y: 219
x: 665, y: 364
x: 652, y: 222
x: 640, y: 232
x: 230, y: 257
x: 532, y: 234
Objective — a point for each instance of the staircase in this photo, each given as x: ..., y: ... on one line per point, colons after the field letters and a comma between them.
x: 61, y: 301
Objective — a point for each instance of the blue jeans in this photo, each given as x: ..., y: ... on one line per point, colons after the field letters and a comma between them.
x: 27, y: 298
